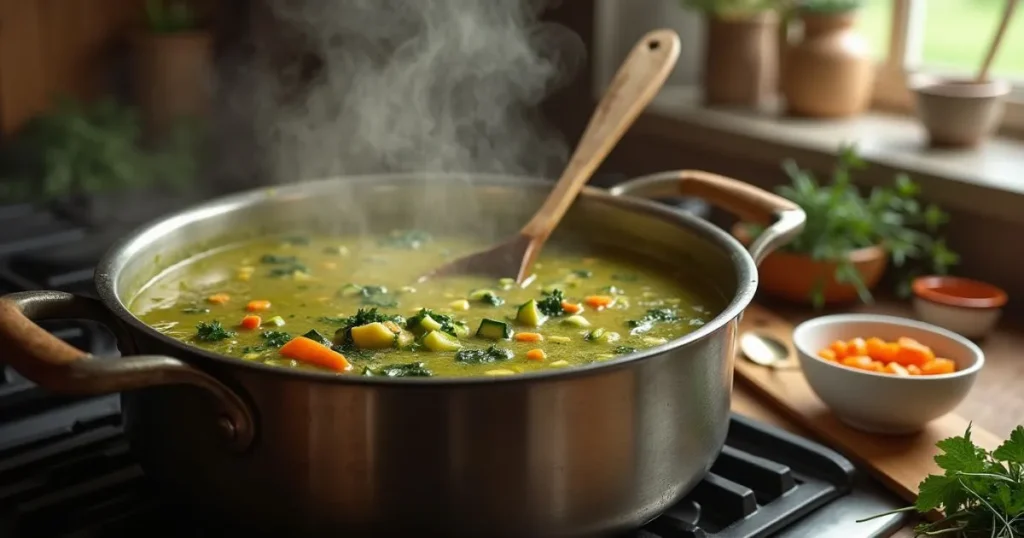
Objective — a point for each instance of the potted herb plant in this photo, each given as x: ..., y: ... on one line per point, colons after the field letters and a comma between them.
x: 850, y: 238
x: 173, y: 65
x: 76, y: 153
x: 829, y: 71
x: 741, y: 50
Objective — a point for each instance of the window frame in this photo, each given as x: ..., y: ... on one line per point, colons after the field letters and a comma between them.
x: 895, y: 74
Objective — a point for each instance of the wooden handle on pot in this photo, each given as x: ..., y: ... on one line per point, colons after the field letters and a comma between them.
x: 60, y: 367
x: 784, y: 218
x: 636, y: 83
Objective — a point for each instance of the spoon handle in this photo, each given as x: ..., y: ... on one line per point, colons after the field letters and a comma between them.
x: 635, y: 84
x: 982, y: 76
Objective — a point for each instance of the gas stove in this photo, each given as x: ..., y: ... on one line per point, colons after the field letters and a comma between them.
x: 67, y: 470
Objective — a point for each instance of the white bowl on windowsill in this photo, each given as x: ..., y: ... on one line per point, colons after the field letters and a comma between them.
x: 885, y: 403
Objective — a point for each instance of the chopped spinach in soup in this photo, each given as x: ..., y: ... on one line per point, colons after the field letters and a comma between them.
x: 349, y: 306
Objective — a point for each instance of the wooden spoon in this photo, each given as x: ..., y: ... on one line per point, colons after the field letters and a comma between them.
x: 993, y: 48
x: 637, y: 82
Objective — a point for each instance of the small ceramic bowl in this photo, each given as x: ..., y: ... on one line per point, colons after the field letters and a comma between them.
x: 885, y: 403
x: 959, y: 113
x: 968, y: 307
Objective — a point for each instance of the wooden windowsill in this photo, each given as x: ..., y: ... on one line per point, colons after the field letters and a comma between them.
x: 989, y: 179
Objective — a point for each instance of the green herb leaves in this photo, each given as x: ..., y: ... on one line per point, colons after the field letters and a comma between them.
x: 481, y: 356
x: 551, y: 304
x: 412, y: 369
x: 271, y: 340
x: 212, y: 332
x: 980, y: 493
x: 656, y: 315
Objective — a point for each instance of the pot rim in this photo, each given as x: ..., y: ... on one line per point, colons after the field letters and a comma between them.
x: 107, y: 272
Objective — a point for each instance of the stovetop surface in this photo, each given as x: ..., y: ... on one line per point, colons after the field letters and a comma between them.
x: 66, y: 469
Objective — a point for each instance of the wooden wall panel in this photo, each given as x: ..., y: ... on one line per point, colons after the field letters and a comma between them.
x: 54, y: 47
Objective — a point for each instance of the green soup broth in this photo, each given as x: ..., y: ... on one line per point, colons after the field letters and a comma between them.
x: 331, y: 289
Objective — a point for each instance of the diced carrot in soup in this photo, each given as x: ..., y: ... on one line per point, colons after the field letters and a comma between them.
x: 251, y: 322
x: 938, y: 366
x: 827, y: 354
x: 571, y: 308
x: 913, y: 369
x: 857, y: 346
x: 257, y: 305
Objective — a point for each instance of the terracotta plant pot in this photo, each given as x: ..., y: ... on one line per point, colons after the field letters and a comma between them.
x: 173, y: 77
x: 794, y: 277
x: 829, y: 73
x: 741, y: 63
x: 959, y: 113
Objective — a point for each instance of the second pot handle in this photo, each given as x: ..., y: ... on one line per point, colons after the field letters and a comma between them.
x: 58, y: 366
x: 783, y: 218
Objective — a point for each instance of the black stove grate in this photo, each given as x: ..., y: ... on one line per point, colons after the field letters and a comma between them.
x: 66, y: 469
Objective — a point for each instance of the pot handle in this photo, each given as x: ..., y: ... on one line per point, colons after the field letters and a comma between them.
x: 60, y: 367
x: 783, y: 218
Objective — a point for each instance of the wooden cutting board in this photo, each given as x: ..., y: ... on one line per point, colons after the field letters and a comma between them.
x: 900, y: 462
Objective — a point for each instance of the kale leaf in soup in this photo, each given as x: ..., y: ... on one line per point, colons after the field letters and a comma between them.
x: 346, y: 305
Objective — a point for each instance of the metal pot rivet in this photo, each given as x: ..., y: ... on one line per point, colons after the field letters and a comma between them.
x: 227, y: 428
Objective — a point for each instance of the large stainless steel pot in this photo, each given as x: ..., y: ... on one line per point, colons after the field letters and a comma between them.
x: 572, y: 452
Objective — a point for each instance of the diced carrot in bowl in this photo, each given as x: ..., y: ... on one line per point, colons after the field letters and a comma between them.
x: 938, y: 366
x: 858, y: 347
x: 910, y: 351
x: 904, y: 357
x: 840, y: 349
x: 862, y: 363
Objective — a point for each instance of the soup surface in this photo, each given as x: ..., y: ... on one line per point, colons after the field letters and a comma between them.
x: 353, y: 307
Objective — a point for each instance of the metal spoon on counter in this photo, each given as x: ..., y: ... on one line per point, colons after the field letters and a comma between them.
x: 764, y: 350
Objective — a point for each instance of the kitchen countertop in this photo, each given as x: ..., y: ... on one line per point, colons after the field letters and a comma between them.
x: 996, y: 403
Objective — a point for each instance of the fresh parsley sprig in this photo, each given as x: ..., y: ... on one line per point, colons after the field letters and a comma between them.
x: 980, y: 493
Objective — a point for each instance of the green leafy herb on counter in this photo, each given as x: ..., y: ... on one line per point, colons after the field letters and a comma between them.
x: 841, y: 218
x: 980, y: 493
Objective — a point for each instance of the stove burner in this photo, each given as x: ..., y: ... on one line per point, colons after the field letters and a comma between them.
x: 66, y: 469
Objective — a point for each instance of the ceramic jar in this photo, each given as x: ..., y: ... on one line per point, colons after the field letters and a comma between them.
x: 829, y: 72
x: 741, y: 60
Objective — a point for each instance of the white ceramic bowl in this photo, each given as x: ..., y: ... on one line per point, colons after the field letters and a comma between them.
x: 885, y: 403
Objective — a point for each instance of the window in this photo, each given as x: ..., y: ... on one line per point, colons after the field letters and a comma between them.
x: 945, y: 37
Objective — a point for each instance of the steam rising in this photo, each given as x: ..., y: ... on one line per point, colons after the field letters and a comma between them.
x: 408, y: 85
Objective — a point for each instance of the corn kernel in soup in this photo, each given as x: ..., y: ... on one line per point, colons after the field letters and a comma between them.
x: 341, y: 304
